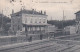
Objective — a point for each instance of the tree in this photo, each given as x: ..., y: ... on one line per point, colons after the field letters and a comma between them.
x: 62, y: 24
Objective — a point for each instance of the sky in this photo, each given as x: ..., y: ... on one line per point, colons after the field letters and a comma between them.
x: 54, y: 8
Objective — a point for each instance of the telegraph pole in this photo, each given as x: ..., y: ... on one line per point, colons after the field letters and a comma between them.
x: 2, y: 24
x: 63, y: 23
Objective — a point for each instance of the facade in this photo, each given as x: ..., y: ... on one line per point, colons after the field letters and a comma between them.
x: 70, y: 30
x: 51, y: 30
x: 78, y: 22
x: 29, y: 21
x: 77, y: 16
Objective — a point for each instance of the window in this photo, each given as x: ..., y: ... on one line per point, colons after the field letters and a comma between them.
x: 31, y: 20
x: 39, y: 20
x: 26, y: 20
x: 44, y: 20
x: 35, y: 20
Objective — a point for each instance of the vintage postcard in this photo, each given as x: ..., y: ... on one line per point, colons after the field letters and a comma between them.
x: 39, y: 25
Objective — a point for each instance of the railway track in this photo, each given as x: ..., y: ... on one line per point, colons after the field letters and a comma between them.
x: 27, y: 46
x: 52, y: 45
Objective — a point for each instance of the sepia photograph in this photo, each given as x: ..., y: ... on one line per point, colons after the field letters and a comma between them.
x: 39, y: 25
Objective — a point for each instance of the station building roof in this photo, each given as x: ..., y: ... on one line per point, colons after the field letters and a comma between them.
x: 34, y: 12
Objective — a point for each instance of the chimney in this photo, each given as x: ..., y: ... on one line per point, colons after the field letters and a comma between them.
x: 32, y: 11
x: 44, y: 12
x: 12, y: 11
x: 41, y: 11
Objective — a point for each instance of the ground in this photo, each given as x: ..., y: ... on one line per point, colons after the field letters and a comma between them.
x: 59, y: 44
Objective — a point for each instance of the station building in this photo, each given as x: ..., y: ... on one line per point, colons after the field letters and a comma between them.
x: 29, y: 21
x: 78, y: 22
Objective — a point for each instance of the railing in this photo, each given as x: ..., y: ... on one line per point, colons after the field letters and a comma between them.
x: 36, y: 32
